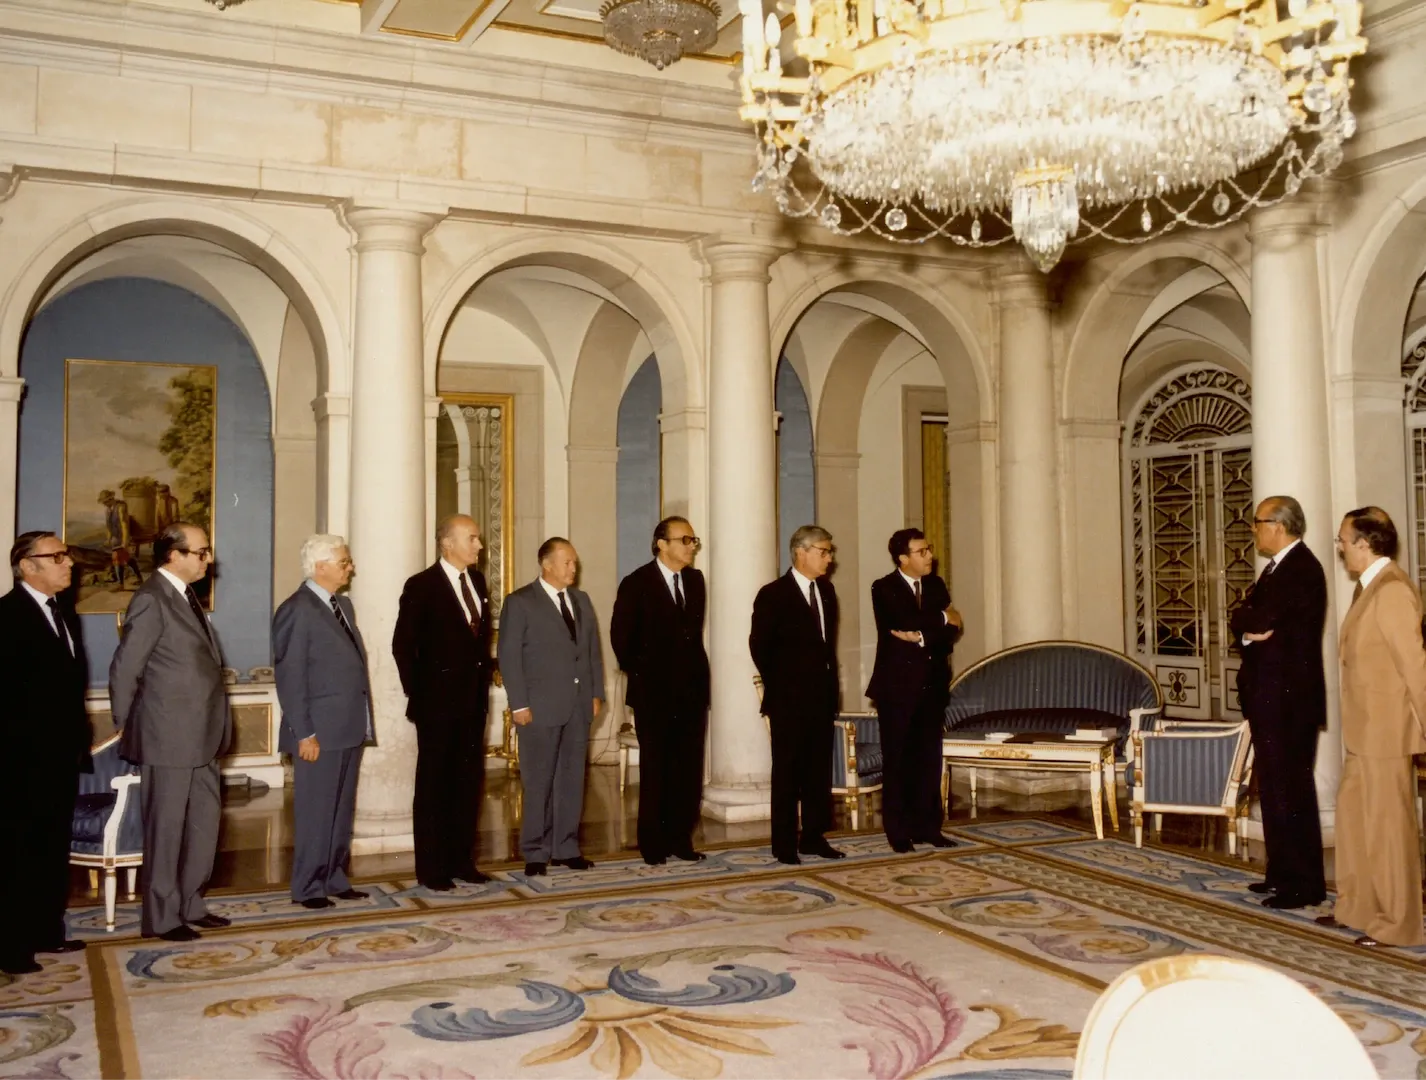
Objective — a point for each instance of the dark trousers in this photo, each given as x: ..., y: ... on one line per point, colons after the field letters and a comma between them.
x: 181, y: 812
x: 801, y: 773
x: 911, y: 777
x: 1283, y: 757
x: 323, y: 801
x: 670, y: 779
x: 450, y: 775
x: 552, y: 772
x: 38, y: 814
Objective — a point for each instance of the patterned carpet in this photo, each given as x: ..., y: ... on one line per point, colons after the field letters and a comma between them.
x: 979, y: 961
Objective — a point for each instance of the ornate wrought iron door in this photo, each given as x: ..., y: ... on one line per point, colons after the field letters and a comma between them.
x: 1188, y: 544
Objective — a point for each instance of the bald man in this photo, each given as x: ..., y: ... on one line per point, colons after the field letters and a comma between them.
x: 442, y: 649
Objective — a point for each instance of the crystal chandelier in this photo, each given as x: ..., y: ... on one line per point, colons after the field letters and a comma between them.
x: 986, y: 120
x: 660, y: 31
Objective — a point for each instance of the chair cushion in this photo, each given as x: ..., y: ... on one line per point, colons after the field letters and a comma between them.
x: 1039, y: 719
x: 1188, y: 771
x: 90, y: 813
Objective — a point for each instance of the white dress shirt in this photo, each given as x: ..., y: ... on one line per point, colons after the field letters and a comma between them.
x: 555, y: 594
x: 61, y: 631
x: 1372, y: 571
x: 668, y: 576
x: 454, y: 577
x: 803, y: 583
x: 181, y: 586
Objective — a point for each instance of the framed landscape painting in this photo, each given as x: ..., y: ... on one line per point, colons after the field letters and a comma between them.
x: 139, y: 453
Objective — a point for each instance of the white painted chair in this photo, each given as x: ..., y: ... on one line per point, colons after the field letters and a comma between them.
x: 107, y: 834
x: 1210, y: 1017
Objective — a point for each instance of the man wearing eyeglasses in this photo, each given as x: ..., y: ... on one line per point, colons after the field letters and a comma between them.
x: 657, y: 634
x: 166, y: 690
x: 794, y: 645
x: 916, y: 627
x: 1282, y: 688
x: 46, y: 734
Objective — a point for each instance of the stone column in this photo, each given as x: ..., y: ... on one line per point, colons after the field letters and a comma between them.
x: 1032, y: 599
x: 1290, y: 422
x: 388, y: 497
x: 741, y: 550
x: 594, y: 531
x: 837, y: 475
x: 11, y: 389
x: 334, y: 430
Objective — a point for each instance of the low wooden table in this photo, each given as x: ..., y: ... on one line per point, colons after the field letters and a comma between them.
x: 1046, y: 752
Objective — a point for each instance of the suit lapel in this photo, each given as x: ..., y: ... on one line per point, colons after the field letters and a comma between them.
x: 1354, y: 613
x: 40, y: 621
x: 330, y: 618
x: 186, y: 613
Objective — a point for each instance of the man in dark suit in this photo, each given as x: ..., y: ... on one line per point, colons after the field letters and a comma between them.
x: 1281, y: 686
x: 326, y: 718
x: 657, y: 634
x: 166, y: 689
x: 794, y: 645
x: 442, y: 650
x: 916, y: 627
x: 46, y: 734
x: 553, y: 669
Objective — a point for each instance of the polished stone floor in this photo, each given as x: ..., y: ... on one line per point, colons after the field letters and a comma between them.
x: 255, y: 847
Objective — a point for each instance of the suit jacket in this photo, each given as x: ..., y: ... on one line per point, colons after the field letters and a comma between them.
x: 907, y: 674
x: 660, y: 647
x: 44, y: 724
x: 1281, y: 680
x: 798, y: 667
x: 166, y: 682
x: 544, y: 671
x: 321, y: 676
x: 1384, y: 669
x: 444, y: 668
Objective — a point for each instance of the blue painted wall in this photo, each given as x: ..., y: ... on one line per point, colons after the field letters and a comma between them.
x: 139, y: 319
x: 638, y: 470
x: 796, y: 482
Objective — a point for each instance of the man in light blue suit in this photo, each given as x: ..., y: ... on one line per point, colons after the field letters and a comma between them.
x: 553, y: 671
x: 326, y: 718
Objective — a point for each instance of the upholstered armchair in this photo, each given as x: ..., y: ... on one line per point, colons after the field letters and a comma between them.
x: 1191, y: 767
x: 856, y: 759
x: 108, y: 826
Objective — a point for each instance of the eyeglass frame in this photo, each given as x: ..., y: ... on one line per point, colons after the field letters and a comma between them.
x: 202, y: 553
x: 56, y: 557
x: 686, y: 541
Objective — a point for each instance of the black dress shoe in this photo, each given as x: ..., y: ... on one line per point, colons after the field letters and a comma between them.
x: 1329, y: 921
x: 67, y: 945
x: 473, y: 876
x: 19, y: 965
x: 211, y: 922
x: 316, y: 903
x: 901, y: 847
x: 937, y: 841
x: 656, y: 860
x: 689, y: 856
x: 534, y: 869
x: 438, y: 885
x: 180, y: 933
x: 351, y: 894
x: 1290, y: 902
x: 1262, y: 888
x: 579, y: 862
x: 823, y: 850
x: 1366, y: 941
x: 789, y: 857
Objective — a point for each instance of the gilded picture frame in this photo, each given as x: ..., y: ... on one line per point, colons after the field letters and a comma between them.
x: 140, y: 451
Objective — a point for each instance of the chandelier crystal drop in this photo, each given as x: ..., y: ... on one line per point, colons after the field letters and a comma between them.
x: 987, y: 120
x: 660, y: 31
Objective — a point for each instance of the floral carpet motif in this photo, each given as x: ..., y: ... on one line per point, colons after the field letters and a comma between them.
x: 977, y: 961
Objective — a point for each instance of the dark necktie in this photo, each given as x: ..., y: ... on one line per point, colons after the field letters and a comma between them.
x: 1356, y: 593
x: 342, y: 618
x: 816, y: 610
x: 1270, y: 567
x: 198, y: 611
x: 916, y: 586
x: 59, y: 628
x: 469, y: 598
x: 678, y: 591
x: 568, y: 618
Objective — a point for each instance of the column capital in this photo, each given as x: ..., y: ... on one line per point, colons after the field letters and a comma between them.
x: 329, y: 405
x: 738, y: 258
x: 837, y: 459
x: 605, y: 455
x: 12, y: 387
x: 1020, y: 284
x: 433, y: 406
x: 693, y: 418
x: 382, y: 228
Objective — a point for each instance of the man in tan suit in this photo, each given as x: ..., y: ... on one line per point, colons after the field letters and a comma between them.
x: 1383, y: 725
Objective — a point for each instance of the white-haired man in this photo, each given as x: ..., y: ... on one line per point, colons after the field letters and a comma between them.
x: 326, y: 718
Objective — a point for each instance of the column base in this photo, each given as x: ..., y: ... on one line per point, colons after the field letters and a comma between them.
x: 383, y: 845
x: 1253, y: 830
x: 381, y: 834
x: 734, y: 804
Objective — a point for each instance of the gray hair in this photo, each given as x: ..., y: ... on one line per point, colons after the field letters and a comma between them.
x: 806, y: 536
x: 320, y: 547
x: 1287, y: 512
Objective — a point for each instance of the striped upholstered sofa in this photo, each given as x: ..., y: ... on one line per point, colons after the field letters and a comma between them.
x: 1053, y: 686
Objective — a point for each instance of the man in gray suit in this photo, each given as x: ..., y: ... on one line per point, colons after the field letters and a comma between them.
x: 554, y: 678
x: 166, y: 690
x: 326, y: 718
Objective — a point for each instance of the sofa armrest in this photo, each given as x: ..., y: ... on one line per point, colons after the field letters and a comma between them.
x: 1140, y: 720
x: 123, y: 786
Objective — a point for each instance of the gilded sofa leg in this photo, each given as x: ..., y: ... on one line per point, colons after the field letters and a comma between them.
x: 1138, y: 816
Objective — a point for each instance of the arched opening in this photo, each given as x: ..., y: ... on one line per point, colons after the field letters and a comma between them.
x: 796, y: 490
x: 1413, y: 369
x: 640, y: 480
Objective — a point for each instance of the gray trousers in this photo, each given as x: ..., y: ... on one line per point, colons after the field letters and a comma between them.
x: 552, y: 772
x: 323, y: 801
x: 181, y: 811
